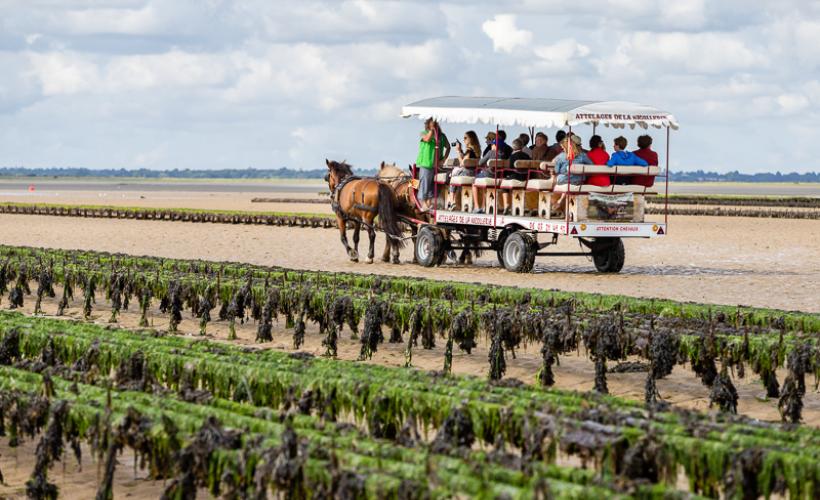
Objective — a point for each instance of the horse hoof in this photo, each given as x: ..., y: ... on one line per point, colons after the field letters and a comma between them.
x: 385, y: 259
x: 354, y: 259
x: 369, y: 261
x: 396, y: 261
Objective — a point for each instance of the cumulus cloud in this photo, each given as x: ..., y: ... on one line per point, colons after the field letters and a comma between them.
x: 565, y: 50
x: 505, y: 35
x: 692, y: 52
x: 221, y: 83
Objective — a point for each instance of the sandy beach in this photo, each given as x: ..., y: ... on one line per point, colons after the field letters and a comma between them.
x: 720, y: 260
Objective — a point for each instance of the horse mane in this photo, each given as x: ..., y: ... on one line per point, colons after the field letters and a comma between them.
x: 342, y: 168
x: 391, y: 170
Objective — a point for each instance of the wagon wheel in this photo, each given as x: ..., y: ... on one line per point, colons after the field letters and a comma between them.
x: 609, y: 255
x: 499, y: 244
x: 429, y: 248
x: 518, y: 252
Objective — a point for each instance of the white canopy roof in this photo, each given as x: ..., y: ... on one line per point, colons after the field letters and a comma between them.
x: 538, y: 112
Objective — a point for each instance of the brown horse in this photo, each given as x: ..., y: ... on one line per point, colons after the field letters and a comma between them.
x: 399, y: 181
x: 360, y: 200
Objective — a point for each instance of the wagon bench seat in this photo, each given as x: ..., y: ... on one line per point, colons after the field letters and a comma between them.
x: 578, y: 168
x: 462, y: 180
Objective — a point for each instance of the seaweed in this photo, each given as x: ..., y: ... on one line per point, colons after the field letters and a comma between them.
x: 48, y: 451
x: 723, y: 392
x: 372, y: 334
x: 10, y: 347
x: 498, y: 364
x: 456, y: 433
x: 790, y: 403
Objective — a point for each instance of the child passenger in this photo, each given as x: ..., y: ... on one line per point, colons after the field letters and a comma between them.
x: 623, y: 157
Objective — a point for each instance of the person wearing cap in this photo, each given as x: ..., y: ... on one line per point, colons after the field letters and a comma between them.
x: 562, y: 160
x: 569, y: 144
x: 490, y: 140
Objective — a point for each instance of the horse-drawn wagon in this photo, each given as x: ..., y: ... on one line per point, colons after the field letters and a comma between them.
x: 598, y: 217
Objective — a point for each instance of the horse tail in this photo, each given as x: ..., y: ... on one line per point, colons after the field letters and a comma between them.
x: 387, y: 214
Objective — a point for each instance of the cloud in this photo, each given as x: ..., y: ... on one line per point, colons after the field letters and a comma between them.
x: 709, y: 53
x: 505, y: 35
x: 208, y: 83
x: 562, y: 51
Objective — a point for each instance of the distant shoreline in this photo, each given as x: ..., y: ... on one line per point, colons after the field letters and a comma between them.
x: 312, y: 180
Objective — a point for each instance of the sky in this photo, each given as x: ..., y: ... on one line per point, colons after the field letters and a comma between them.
x: 207, y: 84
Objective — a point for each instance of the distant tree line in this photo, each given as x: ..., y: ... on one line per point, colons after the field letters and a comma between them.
x: 289, y: 173
x: 736, y: 176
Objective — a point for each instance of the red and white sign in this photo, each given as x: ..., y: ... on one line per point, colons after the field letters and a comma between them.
x: 582, y: 229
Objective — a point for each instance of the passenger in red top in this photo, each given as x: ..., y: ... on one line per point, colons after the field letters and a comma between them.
x: 599, y: 156
x: 645, y: 152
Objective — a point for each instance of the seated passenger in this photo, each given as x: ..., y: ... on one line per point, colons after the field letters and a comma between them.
x: 599, y: 156
x: 562, y: 163
x: 539, y: 152
x: 490, y: 140
x: 518, y: 154
x: 505, y: 148
x: 556, y: 148
x: 623, y: 157
x: 525, y: 139
x: 485, y: 171
x: 471, y: 150
x: 645, y: 152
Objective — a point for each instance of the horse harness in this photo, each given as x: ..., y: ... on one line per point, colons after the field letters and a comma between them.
x: 337, y: 207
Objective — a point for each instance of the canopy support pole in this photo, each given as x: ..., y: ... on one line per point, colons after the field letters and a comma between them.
x: 495, y: 177
x: 570, y: 157
x: 435, y: 171
x: 666, y: 198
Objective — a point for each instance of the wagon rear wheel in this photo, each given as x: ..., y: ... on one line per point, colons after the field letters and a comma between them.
x: 609, y: 255
x: 518, y: 253
x: 429, y: 248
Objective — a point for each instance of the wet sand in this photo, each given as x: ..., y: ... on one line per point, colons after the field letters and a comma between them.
x: 720, y: 260
x: 20, y: 187
x: 725, y: 260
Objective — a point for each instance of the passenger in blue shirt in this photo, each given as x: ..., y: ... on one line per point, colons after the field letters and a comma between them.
x: 623, y: 157
x: 562, y: 161
x: 562, y: 169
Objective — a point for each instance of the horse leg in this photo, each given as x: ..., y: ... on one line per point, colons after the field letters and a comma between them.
x: 343, y: 233
x: 413, y: 231
x: 388, y: 245
x: 357, y: 226
x: 396, y: 259
x: 371, y: 233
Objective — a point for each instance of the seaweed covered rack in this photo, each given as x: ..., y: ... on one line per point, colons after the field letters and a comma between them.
x: 719, y: 344
x: 255, y: 421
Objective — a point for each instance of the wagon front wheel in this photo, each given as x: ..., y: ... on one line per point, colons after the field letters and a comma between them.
x: 609, y: 255
x: 518, y: 253
x: 429, y: 247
